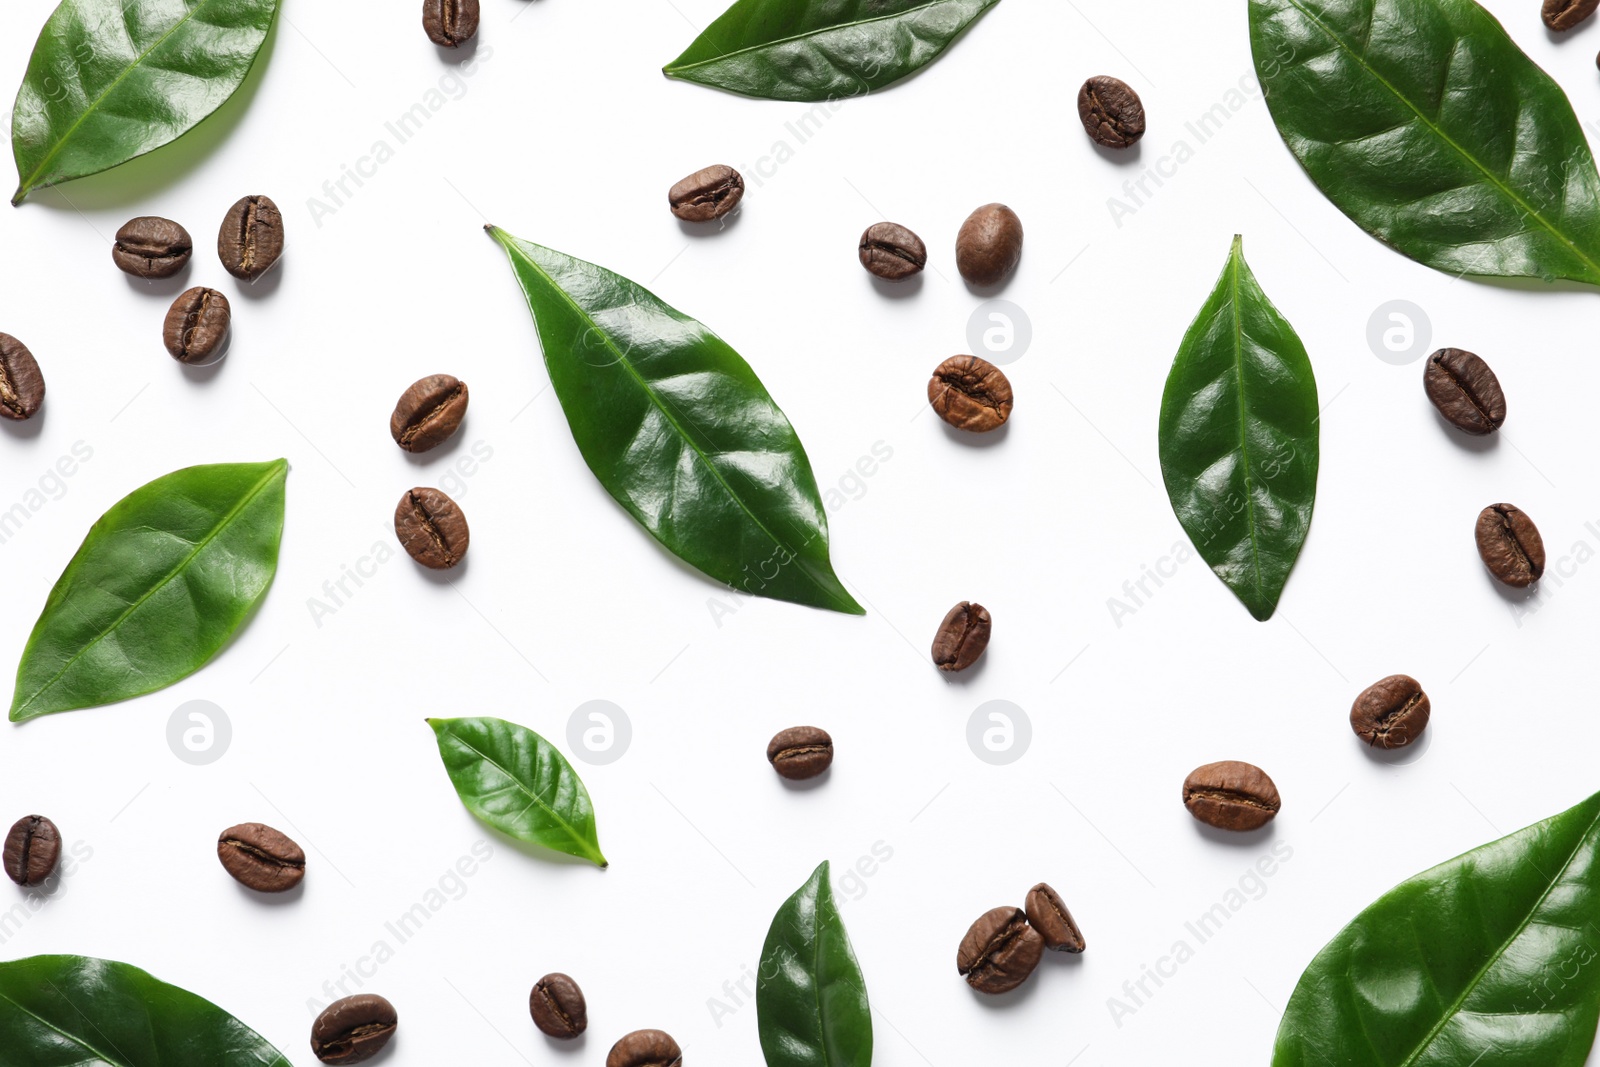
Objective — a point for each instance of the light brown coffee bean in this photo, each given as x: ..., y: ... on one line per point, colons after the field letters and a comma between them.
x: 706, y: 194
x: 353, y: 1030
x: 1231, y: 796
x: 196, y: 328
x: 432, y: 528
x: 1510, y: 545
x: 250, y: 241
x: 962, y: 636
x: 1111, y: 112
x: 645, y: 1048
x: 558, y: 1007
x: 450, y: 23
x: 261, y: 858
x: 32, y: 850
x: 1565, y: 14
x: 152, y: 247
x: 1000, y: 950
x: 1391, y: 712
x: 21, y: 384
x: 428, y: 413
x: 970, y: 394
x: 890, y: 251
x: 1048, y: 914
x: 800, y: 752
x: 989, y: 246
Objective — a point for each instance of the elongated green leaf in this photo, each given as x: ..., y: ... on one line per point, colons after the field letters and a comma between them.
x: 1239, y: 438
x: 156, y: 589
x: 782, y: 50
x: 113, y: 79
x: 1428, y: 126
x: 77, y: 1011
x: 680, y: 431
x: 811, y: 1001
x: 1491, y: 958
x: 518, y: 783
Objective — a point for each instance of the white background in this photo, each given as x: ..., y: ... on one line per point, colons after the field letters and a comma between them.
x: 567, y: 134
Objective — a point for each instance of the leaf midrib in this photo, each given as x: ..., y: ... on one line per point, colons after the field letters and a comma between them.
x: 1235, y: 264
x: 1455, y: 1007
x: 683, y: 435
x: 222, y: 524
x: 1505, y: 189
x: 589, y: 851
x: 74, y: 1038
x: 674, y: 68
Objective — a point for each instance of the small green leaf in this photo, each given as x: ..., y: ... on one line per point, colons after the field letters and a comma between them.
x: 680, y: 431
x: 159, y: 585
x: 1492, y: 958
x: 1239, y: 446
x: 1425, y: 124
x: 57, y: 1011
x: 518, y: 783
x: 781, y: 50
x: 811, y: 1001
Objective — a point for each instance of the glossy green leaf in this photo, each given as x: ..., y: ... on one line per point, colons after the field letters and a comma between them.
x: 110, y: 80
x: 76, y: 1011
x: 1426, y: 124
x: 1492, y: 959
x: 518, y: 783
x: 1239, y: 438
x: 811, y: 1001
x: 680, y: 431
x: 161, y: 583
x: 828, y: 50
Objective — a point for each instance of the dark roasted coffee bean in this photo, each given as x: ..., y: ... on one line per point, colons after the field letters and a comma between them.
x: 32, y: 850
x: 1565, y: 14
x: 1048, y: 914
x: 1391, y: 713
x: 891, y: 251
x: 558, y: 1007
x: 450, y: 23
x: 152, y: 247
x: 1000, y: 951
x: 1112, y: 113
x: 1465, y: 390
x: 645, y: 1048
x: 706, y: 194
x: 196, y: 330
x: 353, y: 1030
x: 970, y: 394
x: 1510, y: 545
x: 962, y: 637
x: 1231, y: 796
x: 251, y: 238
x: 428, y: 413
x: 989, y: 245
x: 261, y: 858
x: 21, y: 384
x: 800, y: 752
x: 432, y: 528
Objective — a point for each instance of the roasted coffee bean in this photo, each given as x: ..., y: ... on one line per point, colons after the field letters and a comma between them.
x: 32, y: 850
x: 450, y: 23
x: 353, y: 1030
x: 251, y: 238
x: 800, y: 752
x: 261, y: 858
x: 1391, y: 713
x: 1231, y: 796
x: 152, y: 247
x: 645, y: 1048
x: 891, y: 251
x: 196, y: 330
x: 428, y: 413
x: 1510, y: 545
x: 962, y: 637
x: 970, y: 394
x: 432, y: 528
x: 1000, y: 951
x: 1565, y: 14
x: 989, y: 245
x: 1048, y: 914
x: 21, y: 384
x: 1112, y: 113
x: 1465, y: 390
x: 558, y: 1007
x: 706, y: 194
